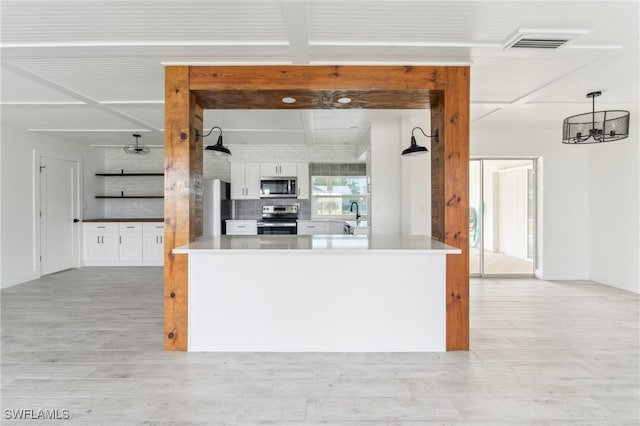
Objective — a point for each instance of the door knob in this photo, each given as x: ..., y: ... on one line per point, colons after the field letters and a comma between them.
x: 76, y: 220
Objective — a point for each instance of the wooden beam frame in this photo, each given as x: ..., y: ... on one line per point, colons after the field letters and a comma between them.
x: 189, y: 90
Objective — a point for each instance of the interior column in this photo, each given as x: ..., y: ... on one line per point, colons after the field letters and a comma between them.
x: 182, y: 199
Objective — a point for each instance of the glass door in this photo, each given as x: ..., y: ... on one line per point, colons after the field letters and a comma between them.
x: 475, y: 217
x: 502, y: 217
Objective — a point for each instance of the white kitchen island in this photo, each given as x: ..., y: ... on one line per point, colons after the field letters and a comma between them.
x: 324, y: 293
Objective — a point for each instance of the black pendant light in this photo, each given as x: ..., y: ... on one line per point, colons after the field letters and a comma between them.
x: 595, y: 126
x: 136, y: 148
x: 414, y: 148
x: 218, y: 148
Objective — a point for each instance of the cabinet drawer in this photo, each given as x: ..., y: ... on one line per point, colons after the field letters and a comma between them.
x: 242, y: 227
x: 130, y: 227
x: 312, y: 227
x: 153, y: 227
x: 101, y: 227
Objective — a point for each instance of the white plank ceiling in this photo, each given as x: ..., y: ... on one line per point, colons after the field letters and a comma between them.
x: 92, y: 71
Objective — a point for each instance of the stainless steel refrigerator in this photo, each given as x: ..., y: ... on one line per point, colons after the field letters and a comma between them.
x: 216, y: 204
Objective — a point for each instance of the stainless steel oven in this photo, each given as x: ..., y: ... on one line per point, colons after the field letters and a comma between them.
x: 281, y: 220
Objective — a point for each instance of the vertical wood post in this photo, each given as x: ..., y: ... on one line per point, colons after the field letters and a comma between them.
x: 450, y: 196
x: 182, y: 183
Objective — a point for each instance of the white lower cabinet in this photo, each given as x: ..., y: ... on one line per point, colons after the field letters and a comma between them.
x: 313, y: 227
x: 101, y: 243
x: 153, y: 242
x: 242, y: 227
x: 319, y: 227
x: 130, y: 241
x: 123, y: 243
x: 336, y: 227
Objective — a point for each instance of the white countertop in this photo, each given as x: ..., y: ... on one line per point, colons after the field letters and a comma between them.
x: 317, y: 243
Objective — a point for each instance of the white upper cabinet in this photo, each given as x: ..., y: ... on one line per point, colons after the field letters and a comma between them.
x: 303, y: 180
x: 278, y: 169
x: 245, y: 181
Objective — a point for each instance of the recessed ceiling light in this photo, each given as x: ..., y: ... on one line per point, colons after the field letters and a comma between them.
x: 289, y: 100
x: 344, y: 100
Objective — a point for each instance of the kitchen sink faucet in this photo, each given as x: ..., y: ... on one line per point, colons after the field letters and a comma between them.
x: 357, y: 210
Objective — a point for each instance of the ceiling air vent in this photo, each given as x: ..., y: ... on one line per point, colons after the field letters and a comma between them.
x: 542, y: 39
x: 539, y: 43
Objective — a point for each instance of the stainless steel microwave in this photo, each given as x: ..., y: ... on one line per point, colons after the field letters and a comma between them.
x: 278, y: 187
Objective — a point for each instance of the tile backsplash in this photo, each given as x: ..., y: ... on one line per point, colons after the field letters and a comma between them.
x: 252, y: 209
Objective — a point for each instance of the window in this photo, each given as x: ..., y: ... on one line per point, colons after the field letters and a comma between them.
x: 332, y: 196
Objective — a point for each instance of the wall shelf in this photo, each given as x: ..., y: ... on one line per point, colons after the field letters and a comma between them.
x: 129, y: 196
x: 129, y: 174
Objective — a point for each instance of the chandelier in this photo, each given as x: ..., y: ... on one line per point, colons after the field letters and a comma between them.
x: 595, y: 126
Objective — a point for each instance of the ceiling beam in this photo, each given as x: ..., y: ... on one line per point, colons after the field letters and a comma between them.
x: 294, y: 15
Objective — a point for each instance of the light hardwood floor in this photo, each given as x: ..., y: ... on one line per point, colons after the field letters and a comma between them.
x: 543, y: 353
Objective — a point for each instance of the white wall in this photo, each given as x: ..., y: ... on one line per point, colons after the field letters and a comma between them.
x: 589, y: 202
x: 416, y: 179
x: 614, y: 211
x: 563, y: 190
x: 386, y: 177
x: 20, y: 152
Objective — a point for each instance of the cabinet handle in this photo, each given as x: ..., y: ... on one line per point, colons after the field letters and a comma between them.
x: 161, y: 239
x: 101, y: 227
x: 242, y: 226
x: 130, y: 227
x: 120, y: 239
x: 98, y: 239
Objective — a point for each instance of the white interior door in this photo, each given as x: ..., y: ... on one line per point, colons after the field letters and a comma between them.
x: 59, y: 215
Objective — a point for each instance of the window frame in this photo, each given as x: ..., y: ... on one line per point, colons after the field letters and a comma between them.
x: 315, y: 197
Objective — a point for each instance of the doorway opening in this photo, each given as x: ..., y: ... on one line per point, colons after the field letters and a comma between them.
x: 502, y: 217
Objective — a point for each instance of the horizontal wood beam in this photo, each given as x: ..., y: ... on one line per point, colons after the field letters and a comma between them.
x: 203, y: 78
x: 313, y: 99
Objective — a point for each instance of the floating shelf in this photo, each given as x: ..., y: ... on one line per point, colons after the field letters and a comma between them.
x: 129, y: 174
x: 129, y: 196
